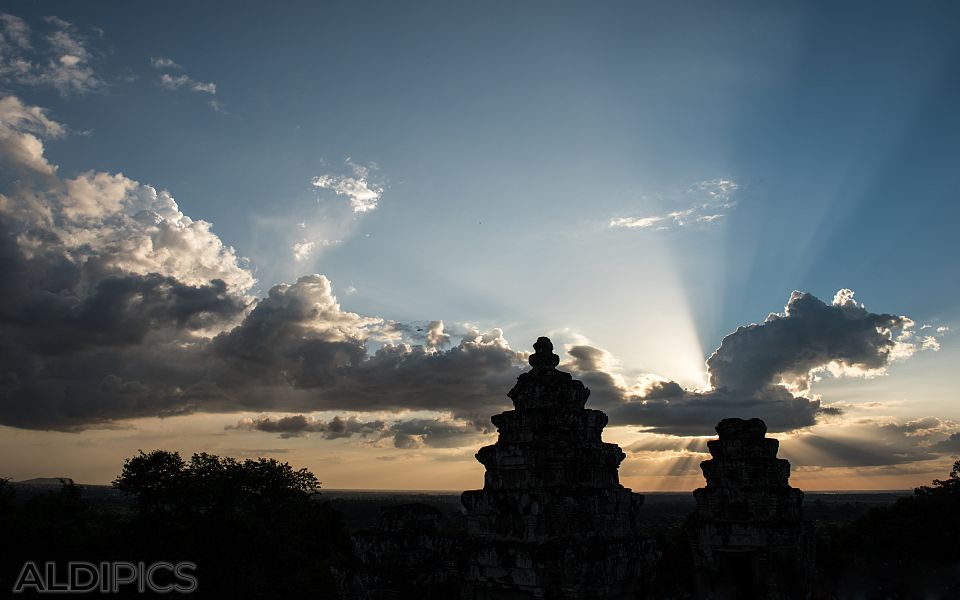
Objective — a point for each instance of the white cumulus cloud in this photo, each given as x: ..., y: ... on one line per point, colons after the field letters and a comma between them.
x: 364, y: 196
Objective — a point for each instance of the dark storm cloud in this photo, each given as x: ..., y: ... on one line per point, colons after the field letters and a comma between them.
x: 296, y: 350
x: 435, y: 433
x: 298, y: 336
x: 52, y: 305
x: 764, y: 370
x: 664, y: 406
x: 809, y: 335
x: 950, y: 445
x: 697, y: 413
x: 116, y: 305
x: 300, y: 425
x: 471, y: 379
x: 585, y: 359
x: 406, y: 434
x: 663, y: 389
x: 81, y: 344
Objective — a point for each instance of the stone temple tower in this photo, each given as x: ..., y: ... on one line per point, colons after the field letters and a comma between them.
x: 552, y: 520
x: 748, y: 536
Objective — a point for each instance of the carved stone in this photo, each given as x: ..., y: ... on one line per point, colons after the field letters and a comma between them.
x: 552, y: 519
x: 748, y: 537
x: 405, y: 557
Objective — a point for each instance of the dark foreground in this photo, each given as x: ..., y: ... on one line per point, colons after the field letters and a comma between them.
x: 271, y: 543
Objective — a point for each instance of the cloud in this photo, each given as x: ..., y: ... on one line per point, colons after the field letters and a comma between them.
x: 174, y: 82
x: 313, y: 354
x: 435, y: 433
x: 635, y: 222
x: 763, y: 370
x: 309, y: 229
x: 438, y: 432
x: 701, y: 205
x: 22, y: 129
x: 363, y: 195
x: 62, y: 62
x: 120, y: 225
x: 301, y: 425
x: 436, y: 336
x: 117, y: 305
x: 667, y: 443
x: 304, y: 249
x: 105, y: 283
x: 950, y: 445
x: 858, y: 443
x: 182, y: 80
x: 809, y: 337
x: 720, y: 189
x: 872, y: 442
x: 161, y: 62
x: 14, y: 32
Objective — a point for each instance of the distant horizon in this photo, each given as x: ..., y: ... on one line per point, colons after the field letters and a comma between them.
x: 457, y: 492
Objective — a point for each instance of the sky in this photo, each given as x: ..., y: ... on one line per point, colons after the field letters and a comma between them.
x: 331, y: 232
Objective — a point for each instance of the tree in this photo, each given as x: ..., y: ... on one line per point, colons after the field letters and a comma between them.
x: 254, y: 527
x: 163, y: 484
x: 909, y: 549
x: 153, y: 479
x: 949, y: 486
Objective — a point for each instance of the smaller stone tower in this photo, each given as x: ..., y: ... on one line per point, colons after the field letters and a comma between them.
x: 749, y: 539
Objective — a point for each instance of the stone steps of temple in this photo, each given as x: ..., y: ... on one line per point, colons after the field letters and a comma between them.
x: 555, y: 460
x: 549, y: 424
x: 746, y: 472
x: 552, y: 520
x: 740, y: 505
x: 546, y: 514
x: 744, y: 448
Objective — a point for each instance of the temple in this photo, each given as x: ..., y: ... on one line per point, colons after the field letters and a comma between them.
x: 552, y: 519
x: 748, y: 536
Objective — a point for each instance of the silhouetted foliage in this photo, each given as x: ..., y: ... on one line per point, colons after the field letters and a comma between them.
x: 56, y: 525
x: 943, y: 487
x: 254, y: 528
x: 165, y: 486
x: 910, y: 549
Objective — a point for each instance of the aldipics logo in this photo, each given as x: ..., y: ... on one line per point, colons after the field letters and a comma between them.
x: 106, y: 577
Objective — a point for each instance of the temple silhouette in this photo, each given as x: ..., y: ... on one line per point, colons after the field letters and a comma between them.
x: 749, y: 539
x: 552, y: 519
x: 553, y: 522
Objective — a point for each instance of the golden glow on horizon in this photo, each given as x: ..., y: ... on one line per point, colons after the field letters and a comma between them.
x: 96, y: 456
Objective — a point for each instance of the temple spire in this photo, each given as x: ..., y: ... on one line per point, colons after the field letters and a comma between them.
x: 552, y: 496
x: 543, y: 356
